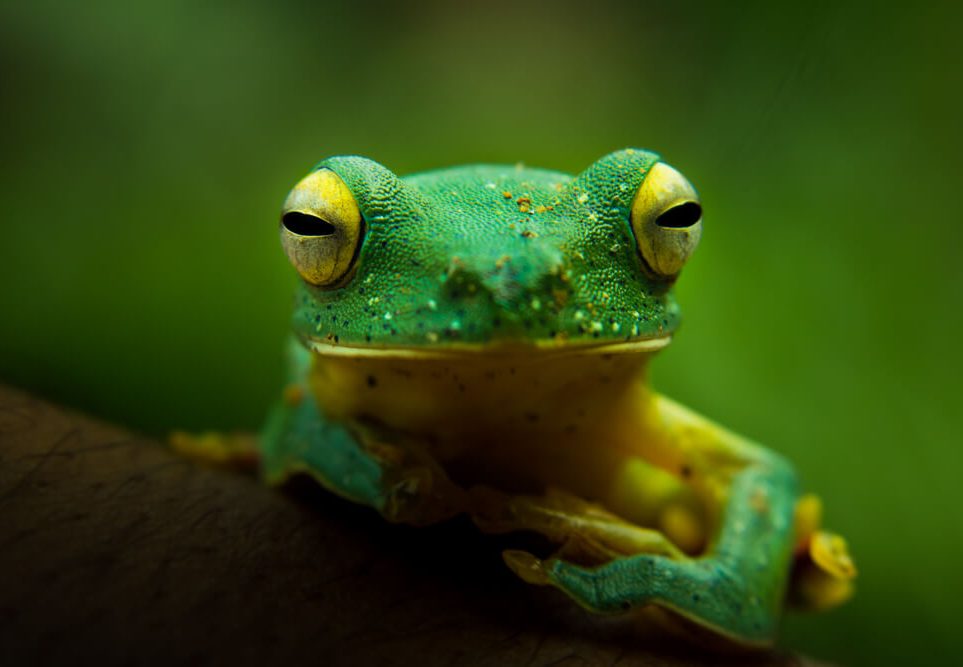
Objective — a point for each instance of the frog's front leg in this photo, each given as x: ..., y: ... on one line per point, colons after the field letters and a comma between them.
x: 737, y: 587
x: 351, y: 460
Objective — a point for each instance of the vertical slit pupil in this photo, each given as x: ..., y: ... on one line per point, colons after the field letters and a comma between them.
x: 680, y: 216
x: 305, y: 224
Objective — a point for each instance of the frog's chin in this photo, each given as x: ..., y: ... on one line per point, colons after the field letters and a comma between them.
x: 547, y: 349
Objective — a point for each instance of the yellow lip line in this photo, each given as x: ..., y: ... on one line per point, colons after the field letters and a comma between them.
x: 467, y: 350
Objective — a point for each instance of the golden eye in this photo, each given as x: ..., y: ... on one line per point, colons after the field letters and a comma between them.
x: 666, y: 220
x: 321, y: 228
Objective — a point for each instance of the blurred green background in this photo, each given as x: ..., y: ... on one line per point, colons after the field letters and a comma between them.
x: 147, y: 148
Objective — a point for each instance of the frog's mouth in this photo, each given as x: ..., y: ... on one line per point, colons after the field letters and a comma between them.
x: 545, y: 349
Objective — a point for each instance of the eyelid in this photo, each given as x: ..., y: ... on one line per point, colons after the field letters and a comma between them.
x: 666, y: 219
x: 321, y: 228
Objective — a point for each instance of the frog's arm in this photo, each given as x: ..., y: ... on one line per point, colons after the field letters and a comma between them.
x: 737, y: 587
x: 353, y: 462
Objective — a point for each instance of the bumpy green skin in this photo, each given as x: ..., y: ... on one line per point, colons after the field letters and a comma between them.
x: 449, y: 258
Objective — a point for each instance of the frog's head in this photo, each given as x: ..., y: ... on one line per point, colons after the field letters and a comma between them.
x: 489, y: 256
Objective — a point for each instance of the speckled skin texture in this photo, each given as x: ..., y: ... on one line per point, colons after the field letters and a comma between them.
x: 492, y: 254
x: 505, y: 271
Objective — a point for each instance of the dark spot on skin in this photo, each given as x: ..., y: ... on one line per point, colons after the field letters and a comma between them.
x: 489, y: 375
x: 570, y: 429
x: 462, y: 388
x: 366, y: 418
x: 686, y: 471
x: 532, y: 416
x: 372, y: 381
x: 605, y: 379
x: 512, y: 370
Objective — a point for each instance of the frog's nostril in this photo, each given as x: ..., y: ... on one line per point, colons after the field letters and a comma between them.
x: 305, y: 224
x: 680, y: 216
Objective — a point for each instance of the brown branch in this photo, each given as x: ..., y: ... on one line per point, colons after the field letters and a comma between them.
x: 114, y: 550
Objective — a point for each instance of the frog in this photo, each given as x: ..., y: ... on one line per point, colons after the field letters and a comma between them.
x: 475, y: 341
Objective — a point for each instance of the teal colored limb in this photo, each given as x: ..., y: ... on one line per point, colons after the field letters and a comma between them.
x: 354, y: 460
x: 297, y: 438
x: 737, y: 589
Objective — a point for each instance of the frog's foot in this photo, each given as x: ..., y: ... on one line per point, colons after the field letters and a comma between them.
x: 231, y: 450
x: 420, y: 494
x: 823, y: 571
x: 587, y: 532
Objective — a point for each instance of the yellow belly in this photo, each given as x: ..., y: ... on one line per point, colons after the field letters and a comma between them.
x: 521, y: 423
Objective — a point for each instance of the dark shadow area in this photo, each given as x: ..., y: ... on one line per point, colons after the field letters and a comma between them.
x: 114, y: 550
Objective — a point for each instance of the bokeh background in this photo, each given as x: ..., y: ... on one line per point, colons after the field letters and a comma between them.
x: 146, y: 148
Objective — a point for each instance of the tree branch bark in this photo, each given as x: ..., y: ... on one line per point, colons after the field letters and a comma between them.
x: 112, y: 549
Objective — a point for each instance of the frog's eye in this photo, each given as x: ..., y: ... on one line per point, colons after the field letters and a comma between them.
x: 666, y: 220
x: 321, y: 228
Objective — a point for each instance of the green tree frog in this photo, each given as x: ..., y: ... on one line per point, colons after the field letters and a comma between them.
x: 475, y: 341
